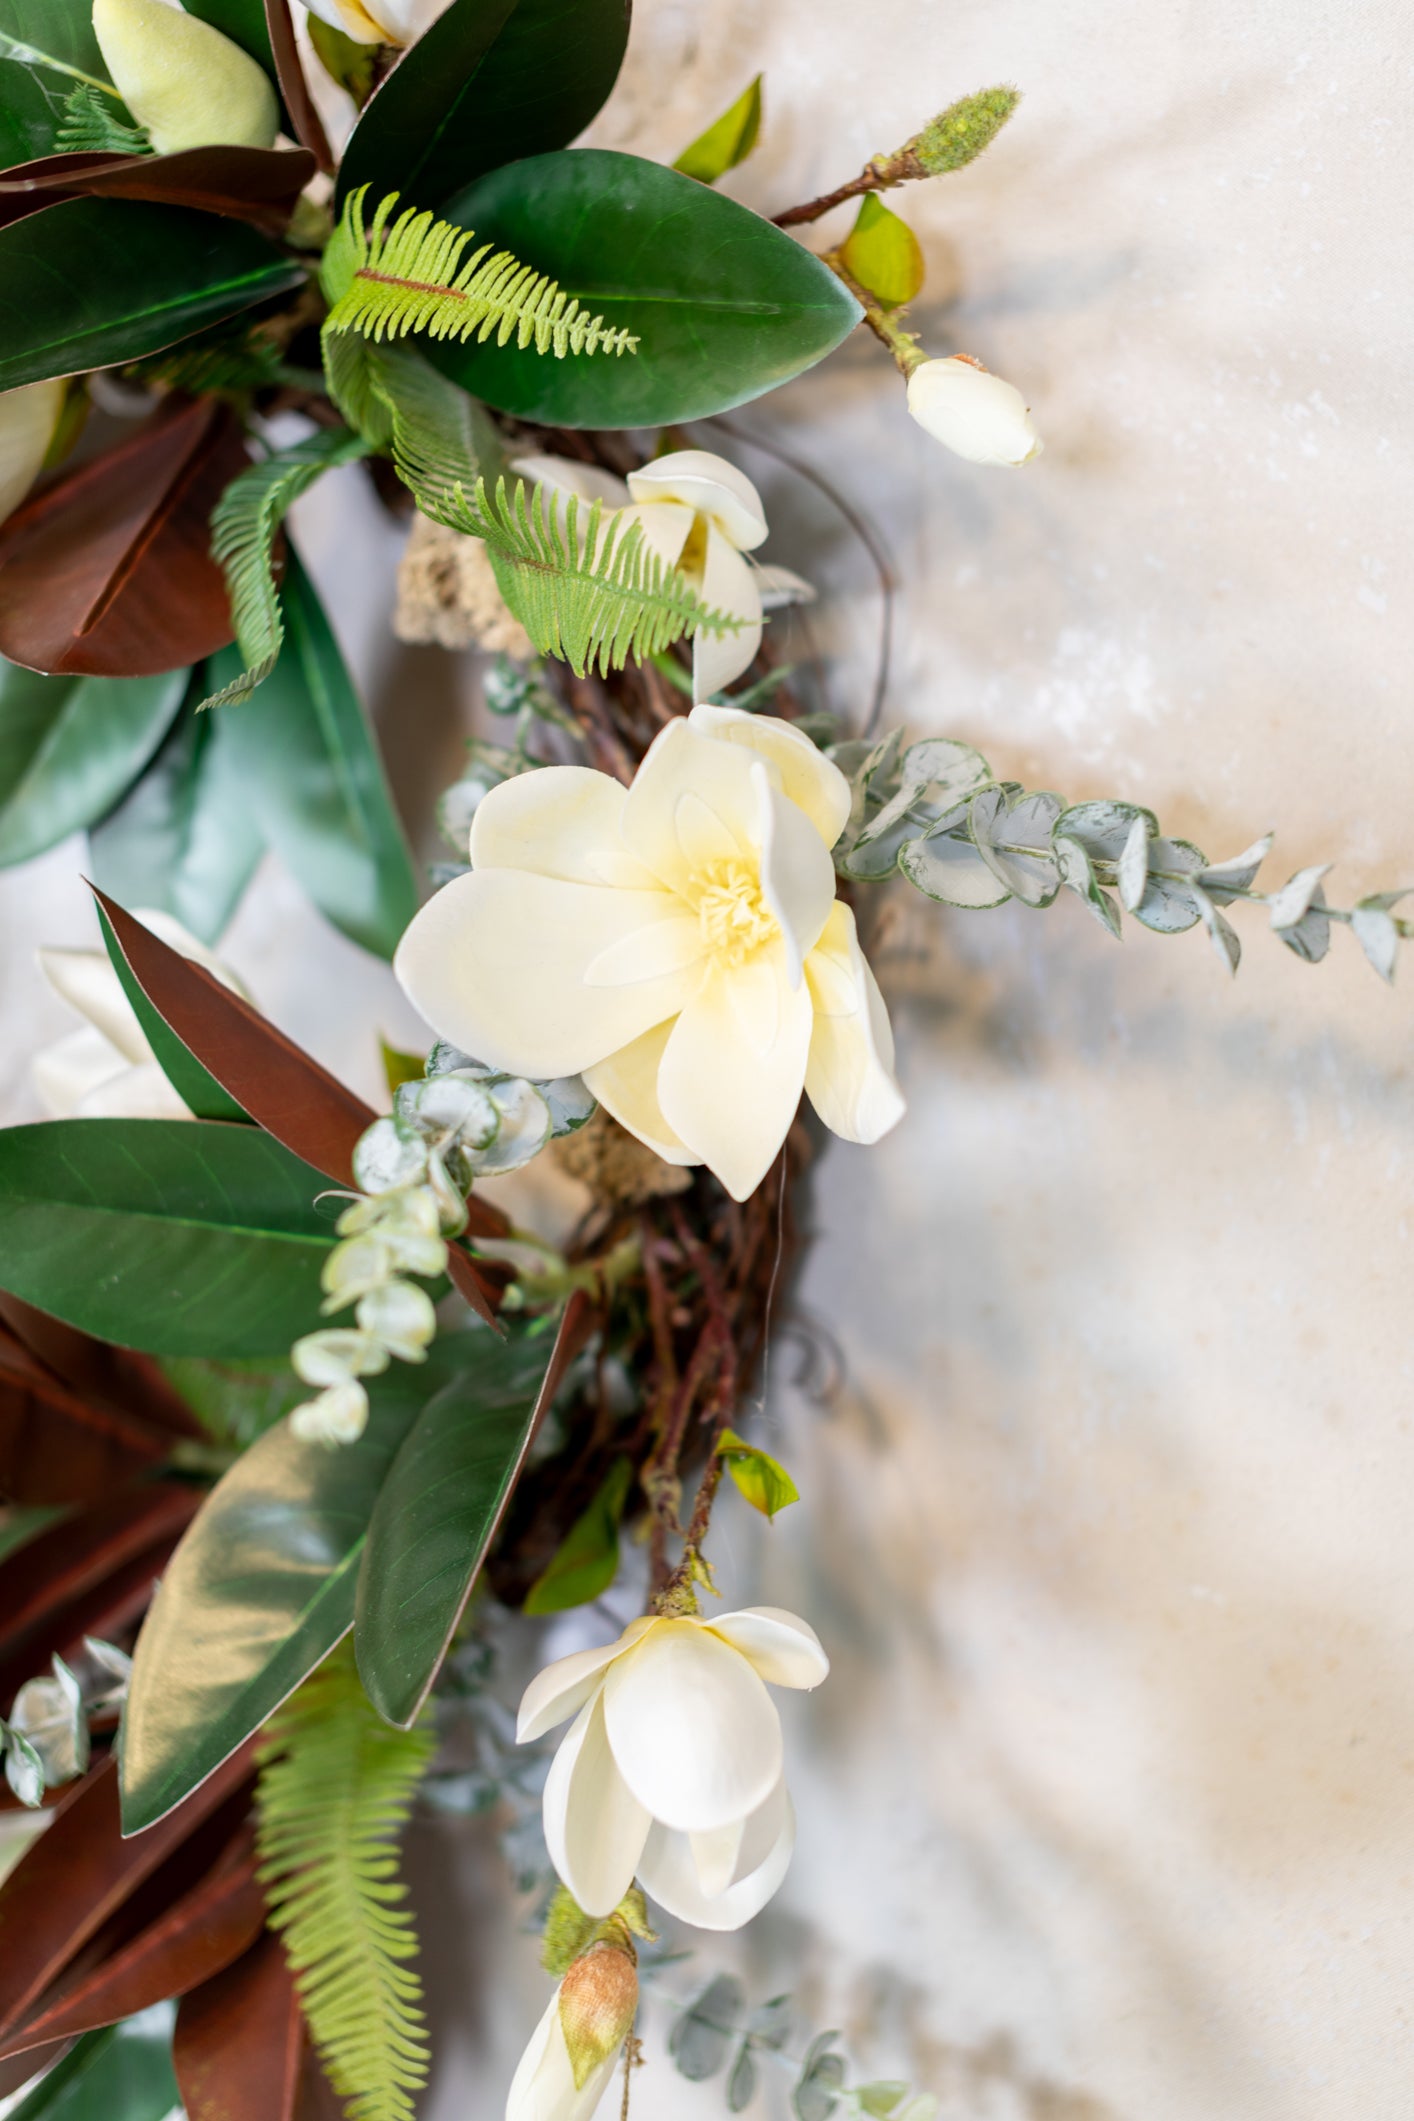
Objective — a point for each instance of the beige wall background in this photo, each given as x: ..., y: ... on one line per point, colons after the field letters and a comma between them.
x: 1107, y: 1812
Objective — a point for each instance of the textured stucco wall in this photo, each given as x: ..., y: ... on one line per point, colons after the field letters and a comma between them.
x: 1106, y: 1813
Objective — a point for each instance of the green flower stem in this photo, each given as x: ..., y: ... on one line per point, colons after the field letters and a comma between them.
x: 31, y: 55
x: 905, y: 347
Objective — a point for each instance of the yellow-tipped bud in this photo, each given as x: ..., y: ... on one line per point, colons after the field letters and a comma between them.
x: 28, y: 418
x: 189, y: 85
x: 598, y: 2004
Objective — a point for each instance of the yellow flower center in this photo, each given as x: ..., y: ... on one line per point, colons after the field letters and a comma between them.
x: 735, y: 918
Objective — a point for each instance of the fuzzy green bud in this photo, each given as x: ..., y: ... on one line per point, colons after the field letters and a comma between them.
x: 598, y: 2004
x: 958, y: 135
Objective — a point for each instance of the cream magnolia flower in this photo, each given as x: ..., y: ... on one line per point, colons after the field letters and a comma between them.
x: 186, y: 82
x: 543, y: 2087
x: 672, y: 1768
x: 108, y: 1070
x: 379, y: 21
x: 701, y: 516
x: 972, y: 412
x: 28, y: 418
x: 678, y: 943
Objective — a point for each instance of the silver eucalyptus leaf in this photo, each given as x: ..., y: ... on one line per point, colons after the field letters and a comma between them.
x: 1102, y: 828
x: 524, y: 1128
x: 699, y: 2041
x: 24, y: 1770
x: 1378, y: 937
x: 1013, y: 837
x: 1132, y: 873
x: 741, y: 2082
x: 1310, y: 937
x: 1225, y: 939
x: 452, y: 1110
x: 1225, y: 880
x: 1287, y: 907
x: 389, y: 1155
x: 1077, y: 871
x: 953, y: 872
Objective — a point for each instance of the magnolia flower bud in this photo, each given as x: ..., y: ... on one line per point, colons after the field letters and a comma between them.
x: 189, y: 85
x: 972, y: 412
x: 598, y: 2003
x: 28, y: 418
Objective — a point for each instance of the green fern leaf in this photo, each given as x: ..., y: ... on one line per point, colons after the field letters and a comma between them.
x: 89, y: 125
x: 244, y: 527
x: 227, y: 358
x: 336, y: 1785
x: 583, y: 582
x: 391, y: 277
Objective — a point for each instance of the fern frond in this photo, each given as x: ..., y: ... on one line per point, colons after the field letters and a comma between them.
x: 234, y: 358
x: 88, y: 125
x: 582, y: 581
x: 336, y: 1785
x: 389, y: 277
x: 244, y: 527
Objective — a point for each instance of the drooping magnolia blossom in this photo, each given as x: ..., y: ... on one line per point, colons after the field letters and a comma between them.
x: 28, y: 418
x: 186, y: 82
x: 972, y: 412
x: 570, y: 2056
x: 701, y: 516
x: 679, y: 943
x: 673, y: 1767
x: 107, y: 1070
x: 379, y: 21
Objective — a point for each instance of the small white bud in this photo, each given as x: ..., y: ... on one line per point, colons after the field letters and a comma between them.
x: 28, y: 418
x: 189, y: 85
x: 338, y: 1415
x: 336, y: 1355
x: 972, y: 412
x: 401, y: 1317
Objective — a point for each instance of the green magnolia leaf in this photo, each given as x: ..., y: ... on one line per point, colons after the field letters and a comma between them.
x: 184, y: 838
x: 21, y: 1523
x: 69, y: 746
x: 725, y: 305
x: 309, y: 769
x: 587, y: 1559
x: 727, y: 141
x: 485, y: 85
x: 437, y: 1513
x: 883, y: 254
x: 243, y: 21
x: 199, y: 1091
x: 258, y: 1592
x: 95, y: 282
x: 171, y: 1236
x: 763, y: 1480
x: 33, y: 92
x: 120, y: 2073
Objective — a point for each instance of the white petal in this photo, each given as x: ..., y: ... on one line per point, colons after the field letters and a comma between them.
x: 710, y: 485
x: 659, y: 826
x: 797, y: 875
x: 496, y: 962
x: 28, y: 417
x: 626, y: 1085
x: 133, y: 1093
x: 779, y: 587
x: 649, y: 953
x: 849, y: 1077
x: 807, y: 776
x: 694, y: 1732
x: 668, y: 1873
x: 728, y: 585
x: 589, y: 481
x: 543, y: 2087
x: 560, y: 821
x: 67, y: 1071
x: 666, y: 528
x: 730, y: 1103
x: 85, y: 979
x: 714, y: 1856
x: 595, y: 1827
x: 785, y: 1650
x: 562, y: 1688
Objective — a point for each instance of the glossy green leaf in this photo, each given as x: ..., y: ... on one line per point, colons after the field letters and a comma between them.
x: 763, y: 1480
x: 726, y: 142
x: 198, y: 1089
x: 184, y: 838
x: 725, y: 305
x: 259, y: 1591
x: 883, y: 254
x: 99, y: 281
x: 20, y: 1523
x: 243, y: 21
x: 436, y: 1515
x: 31, y: 93
x: 168, y: 1235
x: 120, y: 2073
x: 490, y: 81
x: 309, y: 769
x: 587, y: 1559
x: 69, y: 746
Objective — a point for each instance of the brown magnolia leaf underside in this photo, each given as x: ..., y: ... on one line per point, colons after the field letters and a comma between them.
x: 72, y: 1560
x: 199, y: 1935
x: 58, y: 1447
x: 108, y: 571
x: 97, y: 1371
x: 255, y: 184
x: 272, y: 1078
x: 240, y: 2043
x: 294, y: 89
x: 81, y: 1871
